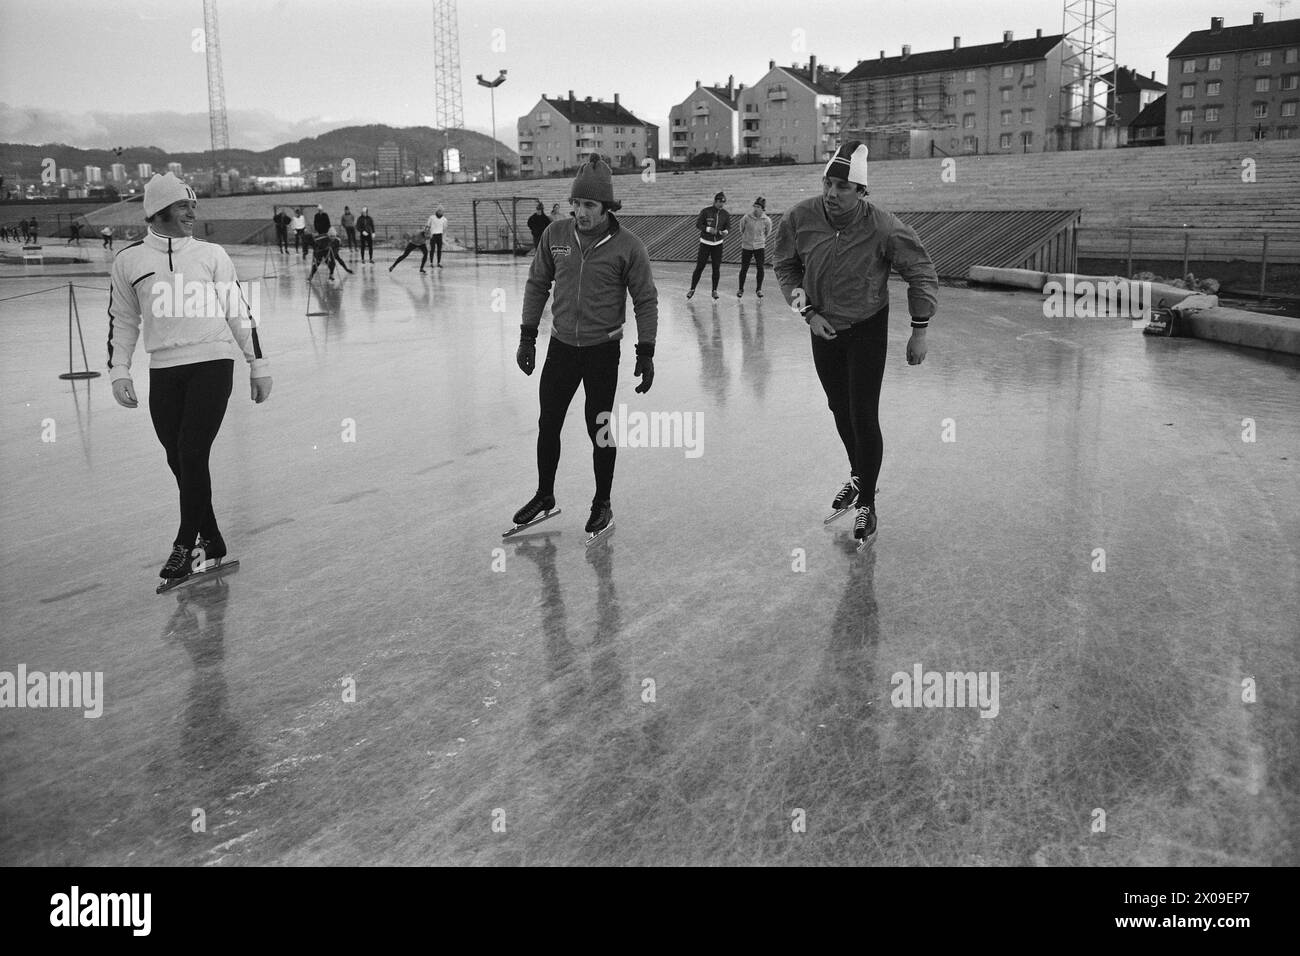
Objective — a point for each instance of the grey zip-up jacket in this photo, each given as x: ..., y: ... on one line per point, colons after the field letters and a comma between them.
x: 592, y: 281
x: 844, y: 273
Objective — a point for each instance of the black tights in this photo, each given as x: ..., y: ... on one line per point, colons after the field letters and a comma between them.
x: 411, y: 247
x: 187, y: 404
x: 707, y: 253
x: 757, y: 256
x: 851, y: 368
x: 595, y: 367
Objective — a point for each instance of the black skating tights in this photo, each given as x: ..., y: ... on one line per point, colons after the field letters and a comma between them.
x: 595, y: 367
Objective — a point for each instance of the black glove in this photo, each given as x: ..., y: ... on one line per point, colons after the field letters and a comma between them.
x: 526, y: 357
x: 645, y: 366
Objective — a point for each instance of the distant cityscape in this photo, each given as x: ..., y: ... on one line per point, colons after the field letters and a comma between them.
x: 1235, y: 83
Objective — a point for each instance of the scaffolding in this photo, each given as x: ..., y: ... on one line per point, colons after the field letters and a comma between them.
x: 216, y: 92
x: 449, y: 110
x: 1088, y: 64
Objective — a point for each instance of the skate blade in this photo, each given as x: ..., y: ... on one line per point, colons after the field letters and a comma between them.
x: 211, y: 570
x: 836, y: 514
x: 536, y: 521
x: 865, y: 544
x: 602, y: 534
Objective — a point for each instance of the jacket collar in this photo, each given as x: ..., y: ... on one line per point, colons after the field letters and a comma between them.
x: 166, y: 243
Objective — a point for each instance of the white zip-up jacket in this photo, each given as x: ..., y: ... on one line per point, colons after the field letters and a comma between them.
x: 187, y: 296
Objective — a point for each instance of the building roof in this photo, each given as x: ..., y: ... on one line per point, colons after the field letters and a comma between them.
x: 1153, y: 114
x: 828, y: 81
x: 1251, y: 36
x: 594, y: 112
x: 965, y: 58
x: 1131, y: 81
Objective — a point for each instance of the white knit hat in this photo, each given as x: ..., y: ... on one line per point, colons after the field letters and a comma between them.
x: 163, y: 190
x: 849, y: 162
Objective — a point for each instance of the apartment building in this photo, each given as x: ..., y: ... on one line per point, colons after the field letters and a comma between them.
x: 791, y: 112
x: 1229, y: 84
x: 1131, y: 93
x: 993, y: 98
x: 707, y: 121
x: 559, y: 133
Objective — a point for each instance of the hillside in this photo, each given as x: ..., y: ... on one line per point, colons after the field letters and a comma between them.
x: 420, y: 146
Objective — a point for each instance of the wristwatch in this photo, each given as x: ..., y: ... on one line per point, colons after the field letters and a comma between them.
x: 806, y: 311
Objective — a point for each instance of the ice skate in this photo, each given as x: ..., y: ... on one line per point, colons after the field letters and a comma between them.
x: 187, y: 566
x: 539, y: 509
x: 601, y: 523
x: 845, y: 501
x: 864, y: 527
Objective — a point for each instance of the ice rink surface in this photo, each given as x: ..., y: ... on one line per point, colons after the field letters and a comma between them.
x: 715, y: 683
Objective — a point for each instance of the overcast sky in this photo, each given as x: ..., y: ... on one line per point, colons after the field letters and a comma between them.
x: 125, y: 73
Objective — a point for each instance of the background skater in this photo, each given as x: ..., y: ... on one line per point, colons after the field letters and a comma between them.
x: 594, y: 264
x: 834, y: 253
x: 191, y: 366
x: 713, y: 222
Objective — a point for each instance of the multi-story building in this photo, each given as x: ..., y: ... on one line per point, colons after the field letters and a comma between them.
x: 1228, y: 84
x: 174, y: 169
x: 65, y: 176
x: 1131, y: 93
x: 792, y: 112
x: 559, y: 133
x: 118, y: 172
x: 1148, y: 127
x: 92, y: 175
x: 290, y: 165
x: 143, y: 171
x: 993, y: 98
x: 707, y: 121
x: 388, y: 164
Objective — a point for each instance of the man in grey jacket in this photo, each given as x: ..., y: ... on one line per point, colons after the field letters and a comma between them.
x: 594, y: 264
x: 834, y: 253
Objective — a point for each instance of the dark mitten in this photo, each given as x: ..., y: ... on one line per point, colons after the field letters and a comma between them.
x: 645, y: 366
x: 526, y: 357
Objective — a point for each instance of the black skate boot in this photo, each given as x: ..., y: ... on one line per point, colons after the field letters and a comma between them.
x: 211, y: 549
x: 539, y: 509
x: 601, y: 521
x: 846, y: 500
x: 864, y: 527
x: 178, y: 565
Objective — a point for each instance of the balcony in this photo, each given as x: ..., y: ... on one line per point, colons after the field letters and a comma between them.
x: 701, y: 110
x: 750, y: 134
x: 775, y: 93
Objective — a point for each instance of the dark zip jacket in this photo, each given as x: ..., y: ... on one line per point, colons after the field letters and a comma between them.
x: 592, y: 280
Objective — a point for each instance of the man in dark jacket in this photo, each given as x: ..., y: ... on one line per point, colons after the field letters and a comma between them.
x: 594, y: 264
x: 349, y: 224
x: 537, y: 224
x: 366, y: 226
x: 834, y: 253
x: 714, y: 222
x: 281, y: 220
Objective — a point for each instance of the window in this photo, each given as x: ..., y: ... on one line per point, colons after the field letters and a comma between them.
x: 968, y: 121
x: 1288, y: 109
x: 1006, y: 117
x: 1290, y: 82
x: 1264, y: 59
x: 1029, y: 69
x: 1006, y: 94
x: 1211, y: 114
x: 1213, y: 87
x: 1215, y: 63
x: 969, y: 98
x: 1188, y: 91
x: 1210, y: 136
x: 920, y: 102
x: 970, y: 76
x: 1026, y: 117
x: 795, y: 124
x: 1008, y: 72
x: 1026, y: 93
x: 577, y: 128
x: 1185, y: 116
x: 1189, y: 66
x: 1291, y: 56
x: 1026, y: 140
x: 1261, y: 84
x: 1004, y: 141
x: 1185, y: 138
x: 968, y: 143
x: 950, y: 100
x: 1261, y: 110
x: 1260, y: 132
x: 1285, y: 132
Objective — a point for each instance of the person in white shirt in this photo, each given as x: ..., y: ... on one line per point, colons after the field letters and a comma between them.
x: 184, y: 295
x: 435, y: 227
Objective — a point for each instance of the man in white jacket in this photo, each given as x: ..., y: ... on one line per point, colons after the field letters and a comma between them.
x: 186, y: 296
